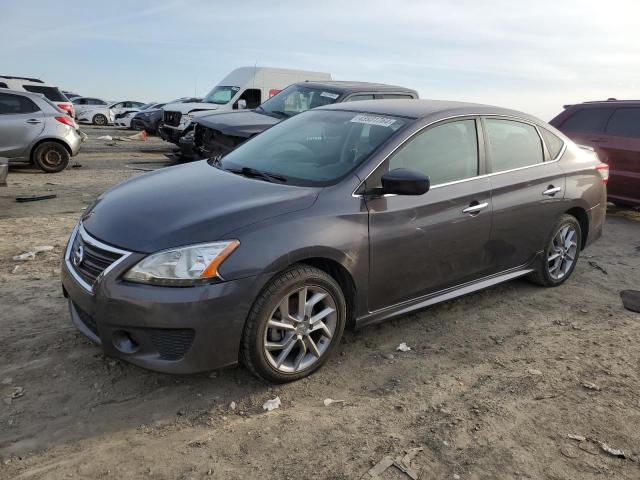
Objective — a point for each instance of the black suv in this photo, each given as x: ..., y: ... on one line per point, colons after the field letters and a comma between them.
x: 219, y: 133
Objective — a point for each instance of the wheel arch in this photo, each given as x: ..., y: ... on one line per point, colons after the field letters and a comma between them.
x: 334, y: 263
x: 580, y: 214
x: 40, y: 141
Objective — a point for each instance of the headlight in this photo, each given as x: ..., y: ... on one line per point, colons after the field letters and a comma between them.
x: 182, y: 266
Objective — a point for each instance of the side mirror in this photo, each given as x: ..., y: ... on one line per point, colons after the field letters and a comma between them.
x: 242, y: 104
x: 403, y: 181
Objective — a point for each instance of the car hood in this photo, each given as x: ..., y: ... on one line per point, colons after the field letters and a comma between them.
x: 187, y: 204
x: 238, y: 124
x: 188, y: 107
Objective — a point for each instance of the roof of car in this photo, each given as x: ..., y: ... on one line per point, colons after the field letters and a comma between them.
x: 36, y: 80
x: 425, y: 108
x: 349, y: 86
x: 609, y: 101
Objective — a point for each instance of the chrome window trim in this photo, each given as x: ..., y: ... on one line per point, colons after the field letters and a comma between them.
x: 486, y: 175
x: 80, y: 230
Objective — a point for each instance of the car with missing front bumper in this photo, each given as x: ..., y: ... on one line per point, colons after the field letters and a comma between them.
x: 218, y: 133
x: 341, y: 216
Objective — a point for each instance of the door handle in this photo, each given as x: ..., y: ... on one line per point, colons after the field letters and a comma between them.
x: 33, y: 121
x: 551, y: 191
x: 475, y: 208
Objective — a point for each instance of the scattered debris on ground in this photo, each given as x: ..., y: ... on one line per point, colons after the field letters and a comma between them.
x: 35, y: 198
x: 271, y: 404
x: 403, y: 347
x: 401, y: 462
x: 631, y: 300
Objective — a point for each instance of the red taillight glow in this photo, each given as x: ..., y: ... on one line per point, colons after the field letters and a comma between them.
x: 67, y: 107
x: 67, y: 121
x: 603, y: 170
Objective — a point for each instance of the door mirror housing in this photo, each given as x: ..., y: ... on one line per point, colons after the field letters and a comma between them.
x: 403, y: 181
x: 242, y: 104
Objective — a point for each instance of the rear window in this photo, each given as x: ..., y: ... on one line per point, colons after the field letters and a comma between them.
x: 513, y: 145
x: 553, y: 142
x: 587, y: 120
x: 3, y: 85
x: 625, y: 122
x: 16, y: 104
x: 52, y: 93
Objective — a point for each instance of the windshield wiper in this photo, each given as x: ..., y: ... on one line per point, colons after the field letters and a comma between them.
x: 255, y: 173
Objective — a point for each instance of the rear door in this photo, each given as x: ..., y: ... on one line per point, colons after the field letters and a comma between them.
x: 586, y: 126
x: 21, y: 121
x: 423, y: 244
x: 527, y: 191
x: 621, y: 150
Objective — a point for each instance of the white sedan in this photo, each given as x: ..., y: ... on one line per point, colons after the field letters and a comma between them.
x: 123, y: 119
x: 106, y: 114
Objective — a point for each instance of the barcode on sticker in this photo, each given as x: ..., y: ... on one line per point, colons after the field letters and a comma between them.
x: 373, y: 120
x: 330, y: 95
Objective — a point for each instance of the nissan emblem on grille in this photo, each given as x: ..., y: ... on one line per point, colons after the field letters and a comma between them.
x: 78, y: 255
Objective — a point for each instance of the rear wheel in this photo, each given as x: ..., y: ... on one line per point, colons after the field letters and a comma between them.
x: 51, y: 157
x: 561, y: 253
x: 99, y: 120
x: 294, y: 326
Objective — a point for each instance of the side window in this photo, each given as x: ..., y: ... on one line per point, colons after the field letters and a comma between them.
x: 513, y: 144
x: 16, y: 104
x: 553, y: 142
x: 445, y: 152
x: 96, y: 101
x: 3, y: 85
x: 587, y: 120
x: 625, y: 122
x: 361, y: 96
x: 401, y: 96
x: 252, y: 96
x: 118, y: 105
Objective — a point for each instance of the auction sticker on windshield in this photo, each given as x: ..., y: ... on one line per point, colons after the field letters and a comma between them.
x: 373, y: 120
x: 333, y: 96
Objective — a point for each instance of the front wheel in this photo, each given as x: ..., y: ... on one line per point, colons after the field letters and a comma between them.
x: 561, y: 253
x: 294, y: 325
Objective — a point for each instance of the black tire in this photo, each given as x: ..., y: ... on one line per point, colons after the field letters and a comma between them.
x: 542, y: 275
x: 252, y: 352
x: 51, y: 157
x: 100, y: 120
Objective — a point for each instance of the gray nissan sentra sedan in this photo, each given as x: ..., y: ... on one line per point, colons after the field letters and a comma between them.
x: 340, y: 216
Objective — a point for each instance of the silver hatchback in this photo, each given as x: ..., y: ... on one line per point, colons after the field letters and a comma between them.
x: 34, y: 130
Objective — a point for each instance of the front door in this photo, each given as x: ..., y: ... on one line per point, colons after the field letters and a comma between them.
x: 423, y: 244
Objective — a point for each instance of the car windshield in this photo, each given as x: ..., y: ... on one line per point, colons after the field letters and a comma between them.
x: 314, y: 148
x: 296, y: 99
x: 220, y: 95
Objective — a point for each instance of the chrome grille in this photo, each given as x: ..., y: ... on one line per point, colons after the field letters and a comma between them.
x: 172, y: 118
x: 87, y: 258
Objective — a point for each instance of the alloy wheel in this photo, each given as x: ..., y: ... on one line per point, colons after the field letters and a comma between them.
x: 562, y: 253
x: 300, y: 329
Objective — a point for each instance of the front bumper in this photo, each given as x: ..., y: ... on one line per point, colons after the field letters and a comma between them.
x: 140, y: 124
x: 166, y: 329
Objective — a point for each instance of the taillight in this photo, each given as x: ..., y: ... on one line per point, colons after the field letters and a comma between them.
x: 67, y: 121
x: 603, y: 170
x: 67, y: 107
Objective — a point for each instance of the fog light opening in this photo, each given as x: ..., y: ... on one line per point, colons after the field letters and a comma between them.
x: 124, y: 343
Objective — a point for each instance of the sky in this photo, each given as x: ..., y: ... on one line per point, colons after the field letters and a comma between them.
x: 532, y: 56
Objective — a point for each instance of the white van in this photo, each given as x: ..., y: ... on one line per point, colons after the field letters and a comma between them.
x: 245, y: 87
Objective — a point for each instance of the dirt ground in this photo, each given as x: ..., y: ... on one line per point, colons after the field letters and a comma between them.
x: 492, y: 387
